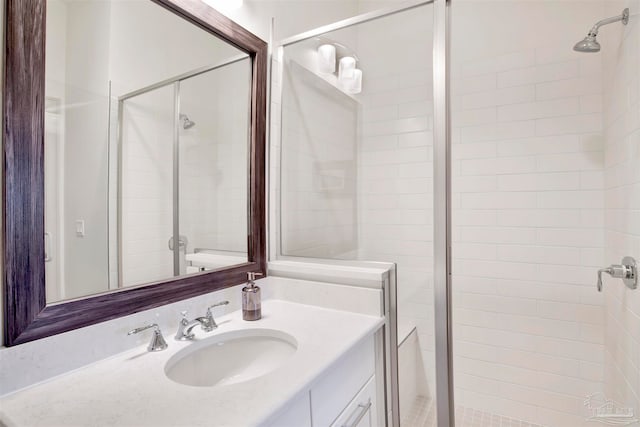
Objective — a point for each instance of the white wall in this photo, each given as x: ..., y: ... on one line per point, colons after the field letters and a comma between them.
x: 621, y: 65
x: 527, y: 209
x: 86, y: 101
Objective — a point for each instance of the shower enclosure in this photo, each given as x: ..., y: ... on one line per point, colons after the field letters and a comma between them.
x: 498, y: 208
x: 356, y: 166
x: 180, y: 153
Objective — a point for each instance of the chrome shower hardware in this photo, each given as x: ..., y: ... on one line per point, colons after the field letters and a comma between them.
x: 157, y: 340
x: 627, y: 271
x: 590, y: 43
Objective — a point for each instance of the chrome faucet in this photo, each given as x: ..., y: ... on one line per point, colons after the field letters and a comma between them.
x: 185, y: 327
x: 206, y: 322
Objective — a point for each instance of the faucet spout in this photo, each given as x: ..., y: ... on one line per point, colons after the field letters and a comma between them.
x: 203, y: 322
x: 185, y: 327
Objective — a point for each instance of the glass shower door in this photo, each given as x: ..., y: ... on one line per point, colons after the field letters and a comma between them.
x: 356, y: 170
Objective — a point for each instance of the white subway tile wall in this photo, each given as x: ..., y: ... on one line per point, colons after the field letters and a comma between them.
x: 318, y: 169
x: 146, y: 182
x: 395, y: 171
x: 621, y: 67
x: 528, y: 218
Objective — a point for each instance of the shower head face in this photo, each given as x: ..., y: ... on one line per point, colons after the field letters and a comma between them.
x: 588, y: 45
x: 186, y: 122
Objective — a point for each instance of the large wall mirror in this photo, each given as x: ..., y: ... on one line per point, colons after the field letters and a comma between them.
x: 134, y: 158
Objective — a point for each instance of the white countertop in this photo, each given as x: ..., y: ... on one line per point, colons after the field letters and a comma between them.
x: 131, y: 389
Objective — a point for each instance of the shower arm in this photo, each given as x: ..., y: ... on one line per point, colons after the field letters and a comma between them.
x: 624, y: 17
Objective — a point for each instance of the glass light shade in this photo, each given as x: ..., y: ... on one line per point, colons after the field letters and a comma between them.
x: 346, y: 68
x: 354, y: 85
x: 327, y: 59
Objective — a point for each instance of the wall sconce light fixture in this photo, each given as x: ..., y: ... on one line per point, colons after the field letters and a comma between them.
x: 349, y: 77
x: 327, y: 58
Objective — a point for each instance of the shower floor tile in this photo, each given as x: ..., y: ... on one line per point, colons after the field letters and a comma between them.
x: 423, y: 414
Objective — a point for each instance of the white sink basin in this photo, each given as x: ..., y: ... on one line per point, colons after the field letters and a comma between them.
x: 231, y: 358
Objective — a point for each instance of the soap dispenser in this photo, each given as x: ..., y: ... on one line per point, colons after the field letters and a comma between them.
x: 251, y: 304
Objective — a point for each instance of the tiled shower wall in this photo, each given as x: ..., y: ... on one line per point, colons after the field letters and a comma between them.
x: 395, y: 171
x: 147, y: 187
x: 621, y: 60
x: 527, y: 212
x: 213, y: 159
x: 318, y: 175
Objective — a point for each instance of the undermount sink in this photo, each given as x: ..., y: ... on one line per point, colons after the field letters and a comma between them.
x: 231, y: 357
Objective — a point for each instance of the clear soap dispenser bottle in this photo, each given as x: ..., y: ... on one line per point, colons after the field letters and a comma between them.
x: 251, y: 304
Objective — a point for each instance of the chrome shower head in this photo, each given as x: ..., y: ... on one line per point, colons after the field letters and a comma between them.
x: 590, y: 44
x: 186, y: 122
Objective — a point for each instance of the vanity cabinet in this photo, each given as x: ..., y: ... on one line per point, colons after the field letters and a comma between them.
x: 343, y: 396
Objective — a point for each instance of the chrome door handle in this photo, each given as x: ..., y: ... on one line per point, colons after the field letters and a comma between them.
x: 627, y: 271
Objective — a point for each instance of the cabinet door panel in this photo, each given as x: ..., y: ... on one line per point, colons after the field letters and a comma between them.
x: 362, y: 411
x: 333, y: 392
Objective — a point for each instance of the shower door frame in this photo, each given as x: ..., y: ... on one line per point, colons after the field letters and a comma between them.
x: 441, y: 198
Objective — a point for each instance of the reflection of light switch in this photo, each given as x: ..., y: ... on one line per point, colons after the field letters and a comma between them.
x: 80, y: 227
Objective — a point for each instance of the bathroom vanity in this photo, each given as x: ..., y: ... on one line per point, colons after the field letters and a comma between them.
x: 327, y: 376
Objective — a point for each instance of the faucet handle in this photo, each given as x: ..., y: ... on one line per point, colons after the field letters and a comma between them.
x: 627, y: 271
x: 211, y: 322
x: 218, y: 304
x: 607, y: 270
x: 157, y: 342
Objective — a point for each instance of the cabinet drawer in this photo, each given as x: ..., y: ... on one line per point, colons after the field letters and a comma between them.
x: 333, y: 392
x: 362, y: 411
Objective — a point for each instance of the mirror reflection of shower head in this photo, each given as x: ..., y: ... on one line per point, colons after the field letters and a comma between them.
x: 590, y: 44
x: 186, y: 122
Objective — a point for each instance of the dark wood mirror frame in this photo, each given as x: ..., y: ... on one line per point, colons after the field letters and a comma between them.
x: 27, y: 315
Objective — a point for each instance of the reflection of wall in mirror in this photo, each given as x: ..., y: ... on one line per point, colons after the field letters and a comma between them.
x: 147, y: 187
x: 96, y: 49
x: 77, y: 76
x: 213, y: 159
